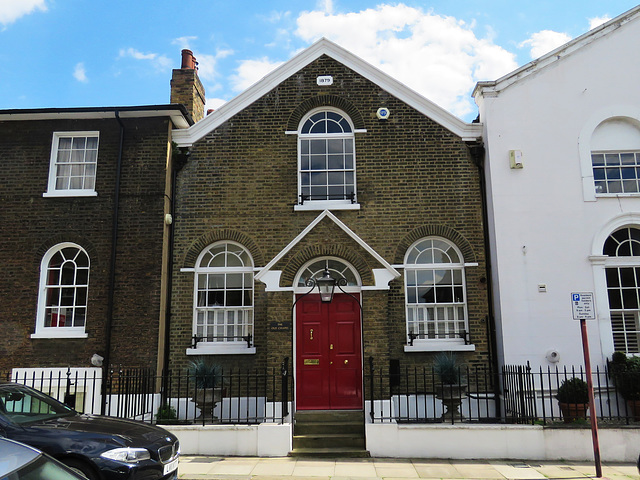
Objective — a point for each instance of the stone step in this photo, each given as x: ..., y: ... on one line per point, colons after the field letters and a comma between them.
x: 314, y: 428
x: 330, y: 453
x: 329, y: 441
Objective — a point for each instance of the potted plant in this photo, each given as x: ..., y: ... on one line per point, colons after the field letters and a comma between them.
x: 452, y: 388
x: 166, y: 414
x: 625, y: 372
x: 206, y: 378
x: 573, y: 398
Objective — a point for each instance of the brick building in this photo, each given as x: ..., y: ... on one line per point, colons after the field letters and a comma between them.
x: 329, y: 167
x: 85, y: 242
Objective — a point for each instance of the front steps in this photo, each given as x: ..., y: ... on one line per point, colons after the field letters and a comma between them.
x: 329, y: 433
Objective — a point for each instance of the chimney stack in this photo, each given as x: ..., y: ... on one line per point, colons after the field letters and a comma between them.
x: 186, y: 87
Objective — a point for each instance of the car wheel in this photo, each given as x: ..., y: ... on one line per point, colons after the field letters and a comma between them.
x: 81, y: 468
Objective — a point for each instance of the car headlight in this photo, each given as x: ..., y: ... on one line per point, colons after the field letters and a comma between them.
x: 128, y: 455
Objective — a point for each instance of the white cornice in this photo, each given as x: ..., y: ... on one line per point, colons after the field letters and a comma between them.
x: 467, y: 131
x: 492, y: 88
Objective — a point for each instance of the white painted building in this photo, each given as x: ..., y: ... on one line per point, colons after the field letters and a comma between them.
x: 562, y: 140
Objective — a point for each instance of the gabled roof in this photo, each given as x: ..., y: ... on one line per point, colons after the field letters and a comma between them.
x: 177, y: 112
x: 467, y: 131
x: 492, y: 88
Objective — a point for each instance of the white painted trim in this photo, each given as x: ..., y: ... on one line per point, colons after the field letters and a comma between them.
x: 315, y: 205
x: 224, y: 349
x: 73, y: 333
x: 438, y: 346
x: 493, y: 88
x: 70, y: 193
x: 310, y: 227
x: 187, y: 137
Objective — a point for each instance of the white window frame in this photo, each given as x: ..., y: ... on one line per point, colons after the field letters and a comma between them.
x: 57, y: 332
x: 226, y: 346
x: 326, y: 204
x: 52, y: 190
x: 618, y: 263
x: 413, y: 309
x: 619, y: 167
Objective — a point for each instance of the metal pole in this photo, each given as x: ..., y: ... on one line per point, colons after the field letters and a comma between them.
x: 592, y: 403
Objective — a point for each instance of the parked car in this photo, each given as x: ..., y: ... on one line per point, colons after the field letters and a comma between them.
x: 98, y: 447
x: 22, y: 462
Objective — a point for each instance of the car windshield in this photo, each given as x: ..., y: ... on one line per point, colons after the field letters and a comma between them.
x: 24, y: 405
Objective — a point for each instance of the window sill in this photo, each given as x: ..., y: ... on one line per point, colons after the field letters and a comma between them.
x: 438, y: 346
x: 229, y: 349
x: 312, y: 205
x: 71, y: 193
x: 61, y: 334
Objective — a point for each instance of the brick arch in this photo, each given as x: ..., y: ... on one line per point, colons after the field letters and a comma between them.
x: 325, y: 101
x: 341, y: 252
x: 207, y: 239
x: 443, y: 231
x: 79, y: 240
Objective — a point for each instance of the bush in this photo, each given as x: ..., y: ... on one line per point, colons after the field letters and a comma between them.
x: 166, y: 412
x: 205, y: 373
x: 625, y: 372
x: 573, y: 390
x: 447, y: 368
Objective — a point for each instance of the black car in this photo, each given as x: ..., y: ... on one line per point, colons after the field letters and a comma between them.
x: 22, y: 462
x: 101, y: 448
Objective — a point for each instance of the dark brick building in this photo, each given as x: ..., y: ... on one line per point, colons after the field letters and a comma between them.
x: 85, y: 241
x: 327, y: 166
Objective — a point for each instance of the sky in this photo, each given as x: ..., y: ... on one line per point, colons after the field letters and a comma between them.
x: 97, y: 53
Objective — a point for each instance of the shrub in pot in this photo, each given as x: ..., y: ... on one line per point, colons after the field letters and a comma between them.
x: 573, y: 398
x: 206, y: 376
x: 453, y: 387
x: 625, y: 372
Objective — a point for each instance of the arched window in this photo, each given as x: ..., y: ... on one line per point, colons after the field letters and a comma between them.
x: 337, y: 268
x: 615, y: 157
x: 623, y: 287
x: 64, y: 286
x: 223, y: 303
x: 435, y: 292
x: 327, y: 171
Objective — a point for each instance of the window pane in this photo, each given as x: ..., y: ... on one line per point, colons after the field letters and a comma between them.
x: 318, y: 147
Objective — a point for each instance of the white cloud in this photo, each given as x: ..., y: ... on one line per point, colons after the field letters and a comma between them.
x: 544, y: 41
x: 597, y: 21
x: 250, y: 71
x: 438, y: 56
x: 160, y: 62
x: 80, y: 74
x: 11, y: 10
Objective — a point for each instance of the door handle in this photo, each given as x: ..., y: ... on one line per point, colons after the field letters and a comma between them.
x: 346, y: 361
x: 311, y: 334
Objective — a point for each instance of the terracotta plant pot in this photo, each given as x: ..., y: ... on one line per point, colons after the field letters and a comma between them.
x: 573, y: 411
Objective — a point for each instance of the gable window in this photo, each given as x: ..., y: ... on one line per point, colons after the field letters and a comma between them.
x: 435, y: 297
x: 616, y: 172
x: 72, y: 170
x: 64, y: 285
x: 326, y: 161
x: 223, y: 303
x: 623, y: 287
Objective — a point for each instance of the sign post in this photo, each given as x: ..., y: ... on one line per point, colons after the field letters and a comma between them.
x: 583, y: 307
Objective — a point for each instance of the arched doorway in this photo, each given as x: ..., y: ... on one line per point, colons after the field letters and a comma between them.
x: 328, y: 339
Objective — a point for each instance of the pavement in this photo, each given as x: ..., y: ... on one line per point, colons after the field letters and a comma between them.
x: 294, y: 468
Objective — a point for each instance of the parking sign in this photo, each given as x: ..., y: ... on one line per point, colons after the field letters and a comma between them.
x: 583, y: 306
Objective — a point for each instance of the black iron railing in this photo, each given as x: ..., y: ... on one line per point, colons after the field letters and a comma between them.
x: 239, y: 396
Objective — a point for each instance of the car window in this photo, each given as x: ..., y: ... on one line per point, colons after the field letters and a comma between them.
x: 23, y: 406
x: 39, y: 469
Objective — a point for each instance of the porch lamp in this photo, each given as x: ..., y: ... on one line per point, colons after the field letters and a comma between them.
x: 326, y: 285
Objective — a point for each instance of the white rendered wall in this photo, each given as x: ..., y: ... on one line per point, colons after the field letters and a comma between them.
x: 542, y: 227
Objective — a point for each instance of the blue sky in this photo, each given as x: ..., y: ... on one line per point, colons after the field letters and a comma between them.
x: 69, y: 53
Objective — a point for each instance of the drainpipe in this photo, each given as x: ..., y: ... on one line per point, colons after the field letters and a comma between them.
x: 477, y: 156
x: 112, y: 268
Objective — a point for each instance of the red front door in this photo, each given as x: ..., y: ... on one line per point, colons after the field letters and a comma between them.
x: 329, y: 353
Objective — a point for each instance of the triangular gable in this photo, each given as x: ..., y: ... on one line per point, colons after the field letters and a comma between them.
x: 491, y: 88
x: 467, y: 131
x: 382, y: 276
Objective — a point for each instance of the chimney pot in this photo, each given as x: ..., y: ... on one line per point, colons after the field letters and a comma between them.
x: 188, y: 60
